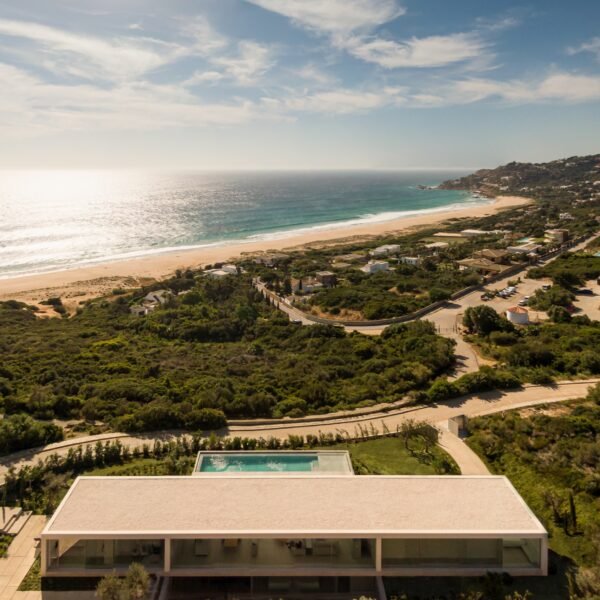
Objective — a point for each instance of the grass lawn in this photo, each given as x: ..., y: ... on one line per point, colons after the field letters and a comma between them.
x: 388, y: 456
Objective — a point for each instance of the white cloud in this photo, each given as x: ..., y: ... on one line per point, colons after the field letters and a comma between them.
x: 433, y: 51
x: 92, y: 57
x: 250, y: 63
x: 35, y: 107
x: 205, y: 40
x: 335, y: 16
x: 556, y: 87
x: 201, y: 77
x: 344, y: 101
x: 592, y: 46
x: 350, y: 23
x: 312, y: 73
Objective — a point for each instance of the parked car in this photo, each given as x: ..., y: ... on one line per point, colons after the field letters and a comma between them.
x: 546, y: 287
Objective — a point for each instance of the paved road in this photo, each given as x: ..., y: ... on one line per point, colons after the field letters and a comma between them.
x: 471, y: 406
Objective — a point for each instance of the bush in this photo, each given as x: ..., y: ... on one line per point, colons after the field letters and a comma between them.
x: 20, y: 432
x: 483, y: 319
x: 441, y: 390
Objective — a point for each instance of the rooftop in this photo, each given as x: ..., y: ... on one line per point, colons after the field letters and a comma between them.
x: 360, y: 505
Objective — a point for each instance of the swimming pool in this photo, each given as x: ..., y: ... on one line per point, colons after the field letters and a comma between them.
x: 273, y: 462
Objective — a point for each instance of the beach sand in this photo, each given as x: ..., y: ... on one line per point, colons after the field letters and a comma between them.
x: 77, y: 285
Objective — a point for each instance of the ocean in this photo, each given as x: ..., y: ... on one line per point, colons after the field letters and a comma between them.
x: 56, y: 220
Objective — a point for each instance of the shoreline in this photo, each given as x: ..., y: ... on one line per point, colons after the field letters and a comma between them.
x: 82, y: 283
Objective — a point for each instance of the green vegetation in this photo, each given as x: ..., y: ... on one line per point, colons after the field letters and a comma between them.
x: 134, y: 586
x: 5, y: 541
x: 218, y: 351
x: 21, y: 431
x: 393, y: 293
x: 556, y: 296
x: 540, y: 352
x: 569, y: 270
x: 393, y: 456
x: 552, y: 456
x: 32, y: 582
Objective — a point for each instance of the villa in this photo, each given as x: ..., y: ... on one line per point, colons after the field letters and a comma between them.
x: 385, y: 250
x: 292, y: 522
x: 375, y: 266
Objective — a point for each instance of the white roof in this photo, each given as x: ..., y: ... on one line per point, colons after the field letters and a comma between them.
x: 334, y: 505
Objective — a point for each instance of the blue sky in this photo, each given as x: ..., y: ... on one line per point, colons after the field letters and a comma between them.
x: 276, y: 84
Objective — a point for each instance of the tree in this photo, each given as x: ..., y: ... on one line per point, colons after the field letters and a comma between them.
x: 110, y: 587
x: 482, y: 320
x: 137, y: 582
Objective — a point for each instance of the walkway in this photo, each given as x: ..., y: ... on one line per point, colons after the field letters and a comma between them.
x: 20, y: 556
x: 347, y: 423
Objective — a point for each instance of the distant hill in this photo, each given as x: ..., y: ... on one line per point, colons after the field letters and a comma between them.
x: 577, y: 177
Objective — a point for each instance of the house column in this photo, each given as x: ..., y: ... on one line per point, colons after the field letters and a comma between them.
x: 43, y: 556
x: 378, y: 555
x: 544, y: 555
x: 167, y: 561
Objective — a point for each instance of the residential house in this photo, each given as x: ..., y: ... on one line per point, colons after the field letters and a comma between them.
x: 278, y: 533
x: 306, y: 285
x: 327, y: 278
x: 494, y: 255
x: 556, y: 236
x: 413, y: 261
x: 482, y: 266
x: 386, y: 250
x: 375, y: 266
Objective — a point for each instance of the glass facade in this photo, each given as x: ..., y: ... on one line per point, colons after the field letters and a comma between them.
x: 488, y: 553
x: 104, y: 554
x: 315, y: 553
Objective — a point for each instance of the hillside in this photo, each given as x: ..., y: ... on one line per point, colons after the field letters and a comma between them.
x: 577, y: 178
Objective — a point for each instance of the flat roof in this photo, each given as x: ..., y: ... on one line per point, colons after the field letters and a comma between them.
x: 336, y: 505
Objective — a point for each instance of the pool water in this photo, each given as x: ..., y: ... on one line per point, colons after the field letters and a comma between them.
x: 259, y: 463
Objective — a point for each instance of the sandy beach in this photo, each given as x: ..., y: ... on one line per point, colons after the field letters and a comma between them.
x: 80, y: 284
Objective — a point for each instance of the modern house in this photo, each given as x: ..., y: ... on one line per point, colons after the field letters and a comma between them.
x: 374, y: 266
x: 556, y: 236
x: 292, y: 521
x: 413, y: 261
x: 327, y: 278
x: 385, y: 250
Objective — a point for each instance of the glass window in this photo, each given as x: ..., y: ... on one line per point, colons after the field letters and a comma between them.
x: 441, y: 552
x: 104, y: 554
x: 351, y: 553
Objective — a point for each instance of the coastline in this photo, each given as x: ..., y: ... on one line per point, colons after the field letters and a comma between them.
x: 85, y: 282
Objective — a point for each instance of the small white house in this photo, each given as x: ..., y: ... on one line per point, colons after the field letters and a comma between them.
x: 385, y: 250
x: 413, y: 261
x: 374, y: 266
x: 518, y: 315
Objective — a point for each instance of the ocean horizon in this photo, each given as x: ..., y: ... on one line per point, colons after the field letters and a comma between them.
x: 59, y: 220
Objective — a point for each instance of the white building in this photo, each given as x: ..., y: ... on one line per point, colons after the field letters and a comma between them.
x: 527, y: 248
x: 385, y: 250
x: 518, y: 315
x: 374, y: 266
x: 414, y: 261
x: 286, y: 530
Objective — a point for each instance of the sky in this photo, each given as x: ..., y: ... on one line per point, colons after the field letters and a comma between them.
x: 297, y: 84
